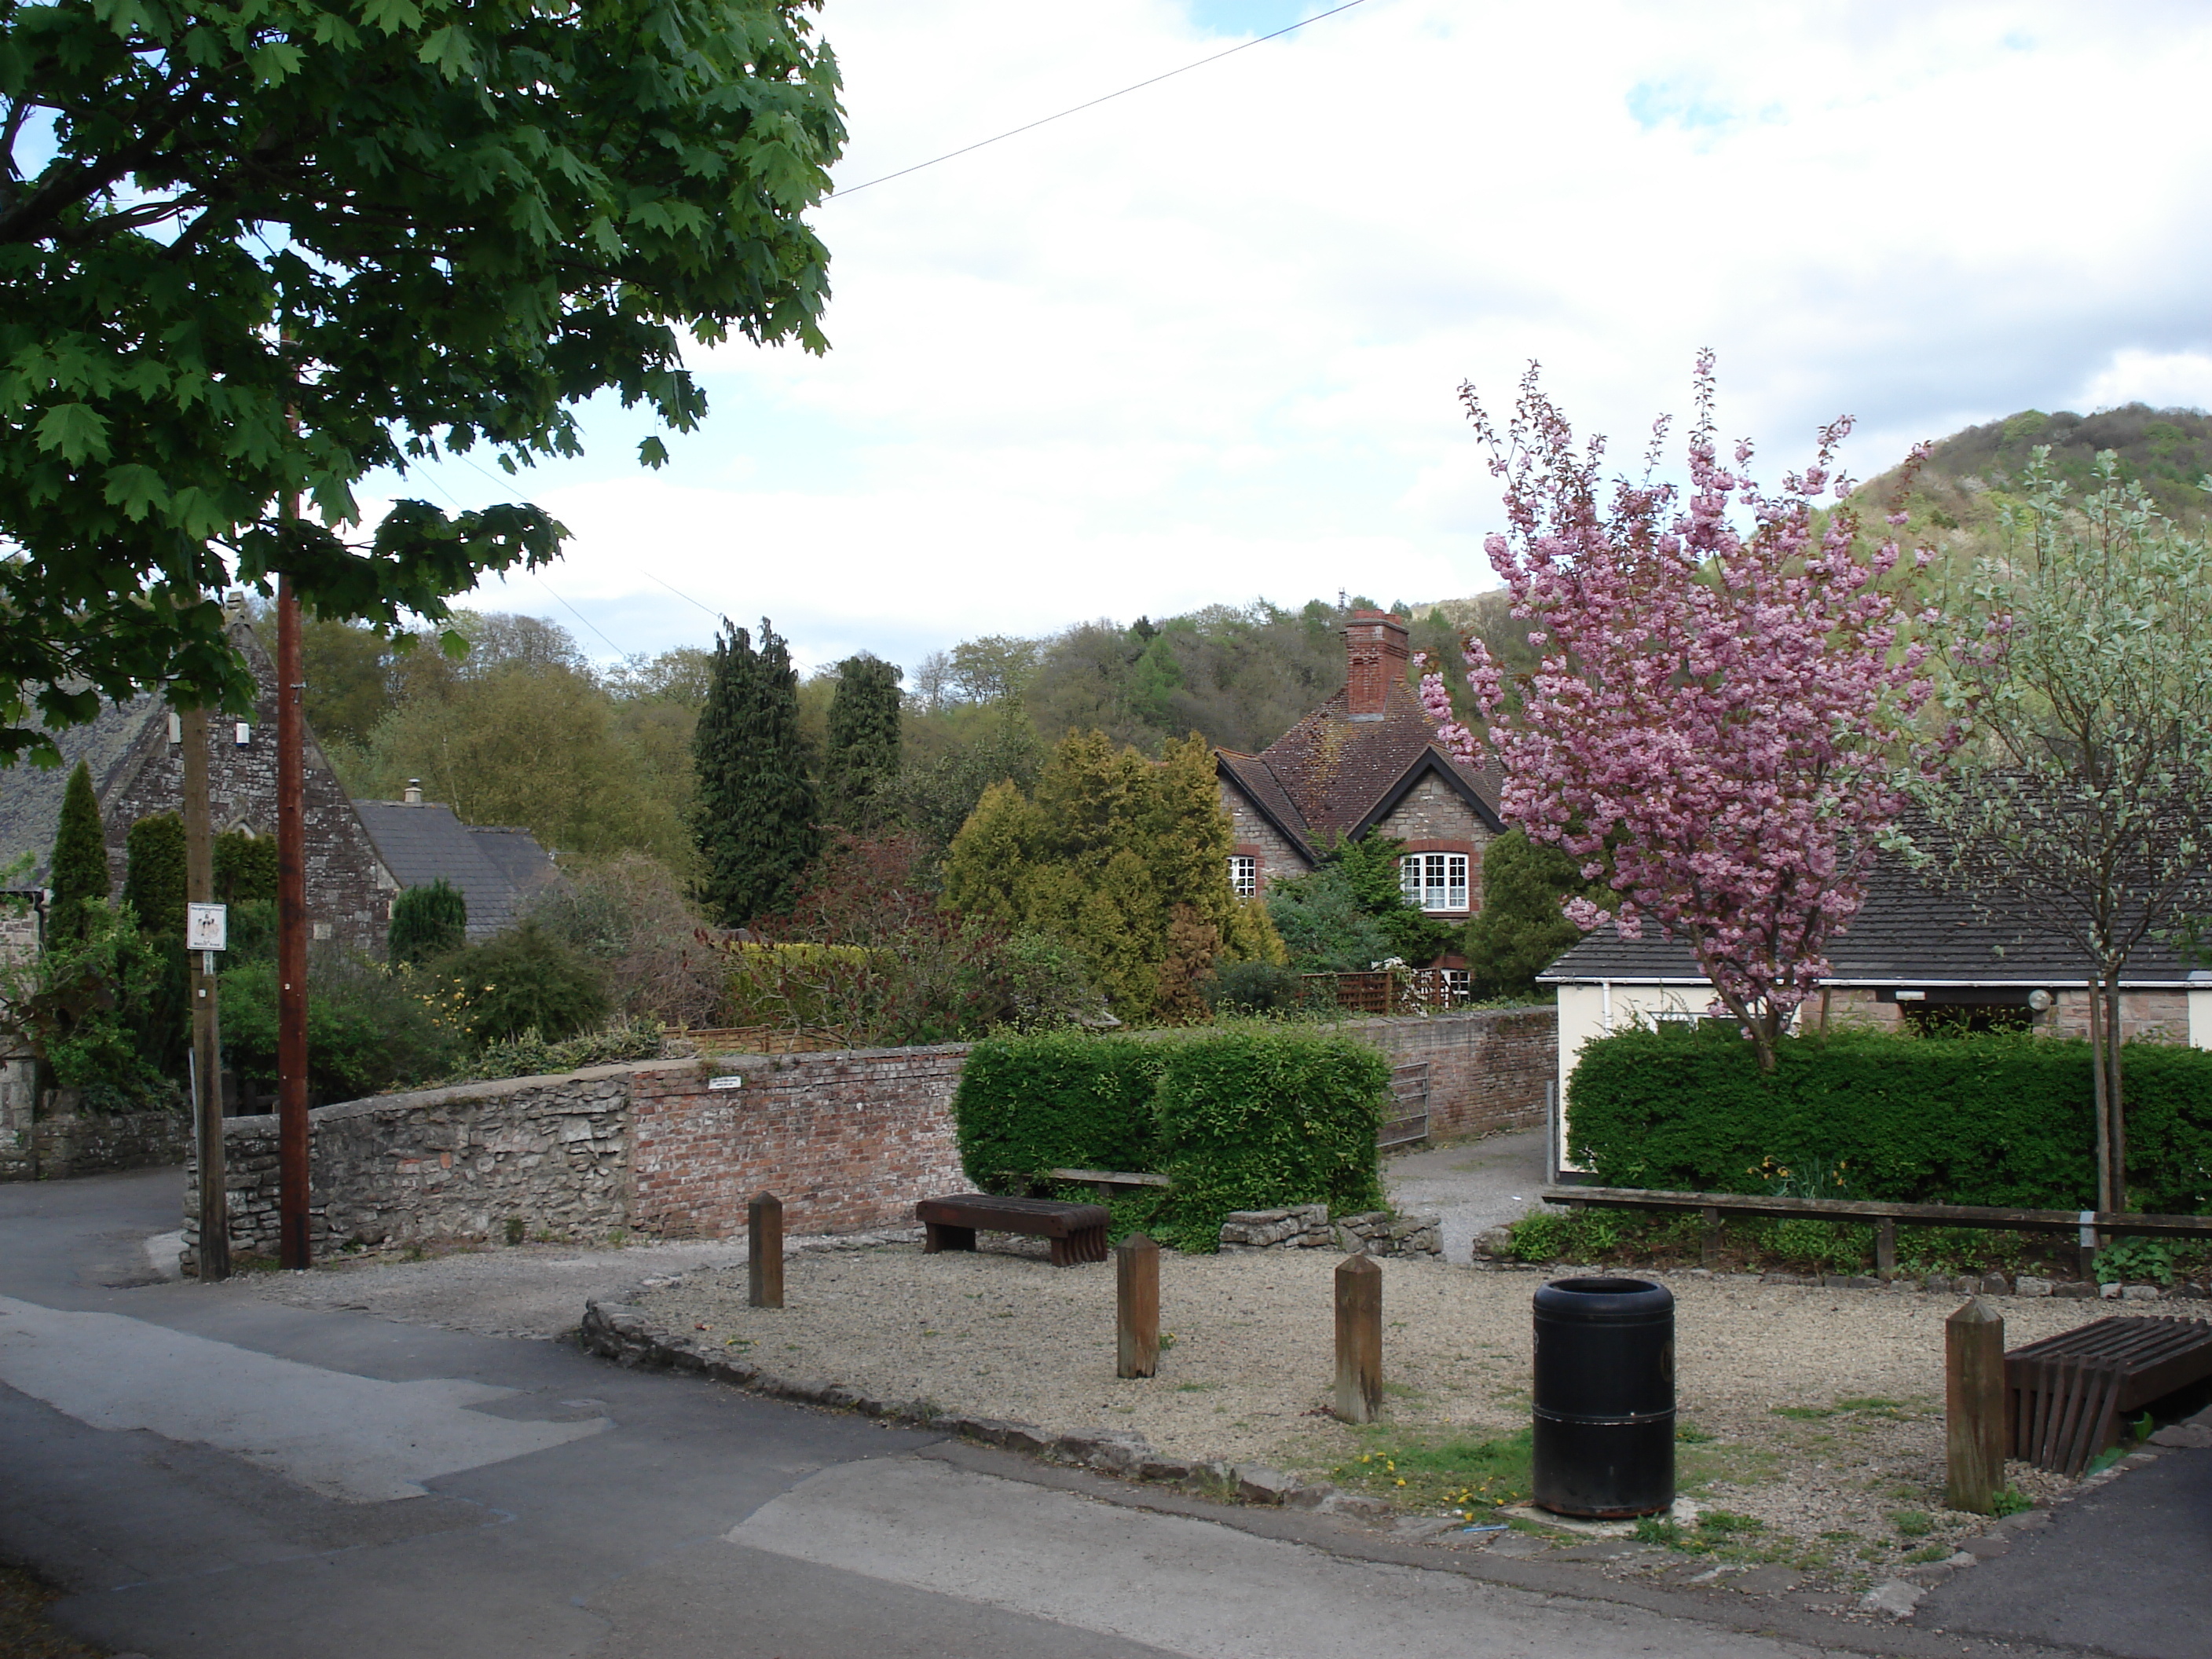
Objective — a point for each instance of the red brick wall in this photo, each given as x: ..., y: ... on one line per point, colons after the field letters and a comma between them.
x: 1487, y: 1066
x: 846, y: 1140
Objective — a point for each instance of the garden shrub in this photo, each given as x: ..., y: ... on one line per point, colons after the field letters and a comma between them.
x: 1259, y: 1120
x: 1997, y: 1119
x: 1236, y: 1119
x: 525, y: 980
x: 369, y: 1028
x: 1056, y: 1100
x: 245, y: 868
x: 427, y: 921
x: 532, y: 1055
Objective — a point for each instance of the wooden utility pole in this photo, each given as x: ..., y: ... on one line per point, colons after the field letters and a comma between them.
x: 291, y: 942
x: 764, y: 1251
x: 1359, y: 1339
x: 1136, y: 1307
x: 207, y: 1031
x: 1973, y: 1409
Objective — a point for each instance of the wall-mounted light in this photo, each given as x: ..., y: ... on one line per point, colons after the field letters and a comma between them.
x: 1913, y: 996
x: 2040, y: 1002
x: 244, y: 734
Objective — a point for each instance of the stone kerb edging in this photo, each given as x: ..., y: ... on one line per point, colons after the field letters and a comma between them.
x: 622, y: 1331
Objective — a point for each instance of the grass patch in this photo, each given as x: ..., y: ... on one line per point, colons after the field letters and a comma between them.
x: 1689, y: 1434
x: 1803, y: 1414
x: 1437, y: 1469
x: 1911, y: 1523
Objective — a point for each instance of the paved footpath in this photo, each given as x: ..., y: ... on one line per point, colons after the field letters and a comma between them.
x: 211, y: 1473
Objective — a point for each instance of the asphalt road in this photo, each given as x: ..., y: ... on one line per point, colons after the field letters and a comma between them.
x: 211, y: 1472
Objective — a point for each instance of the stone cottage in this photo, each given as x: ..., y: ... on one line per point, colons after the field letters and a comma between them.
x: 359, y: 854
x: 1366, y: 762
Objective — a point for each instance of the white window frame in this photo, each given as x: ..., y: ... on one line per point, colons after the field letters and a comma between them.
x: 1243, y: 875
x: 1434, y: 881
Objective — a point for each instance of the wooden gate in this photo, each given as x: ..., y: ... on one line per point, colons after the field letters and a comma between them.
x: 1409, y: 1105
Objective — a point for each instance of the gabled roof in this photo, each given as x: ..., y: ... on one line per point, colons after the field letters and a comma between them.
x: 497, y: 870
x: 1340, y: 774
x: 1260, y: 786
x: 31, y: 796
x: 1911, y: 932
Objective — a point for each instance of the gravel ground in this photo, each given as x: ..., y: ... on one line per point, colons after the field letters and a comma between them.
x: 1824, y: 1407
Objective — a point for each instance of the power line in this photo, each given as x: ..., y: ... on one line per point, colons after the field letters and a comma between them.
x: 1078, y: 109
x: 580, y: 616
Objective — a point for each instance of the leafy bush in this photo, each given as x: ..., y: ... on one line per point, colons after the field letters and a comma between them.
x: 1255, y: 988
x: 531, y: 1055
x: 1993, y: 1120
x: 427, y: 921
x: 245, y: 868
x: 629, y: 918
x: 154, y: 873
x: 525, y: 980
x: 1236, y: 1119
x: 369, y: 1028
x: 80, y: 1002
x: 1056, y: 1100
x: 1254, y: 1120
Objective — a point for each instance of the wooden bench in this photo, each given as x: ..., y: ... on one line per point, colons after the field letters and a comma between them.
x: 1077, y: 1232
x: 2068, y: 1396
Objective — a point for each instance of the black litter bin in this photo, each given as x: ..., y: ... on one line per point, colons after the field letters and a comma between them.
x: 1605, y: 1397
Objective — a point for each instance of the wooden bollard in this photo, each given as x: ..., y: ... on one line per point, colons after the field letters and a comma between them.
x: 1359, y: 1339
x: 1974, y: 1408
x: 1136, y: 1307
x: 764, y: 1254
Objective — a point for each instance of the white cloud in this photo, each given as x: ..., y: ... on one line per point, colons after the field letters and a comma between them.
x: 1202, y: 343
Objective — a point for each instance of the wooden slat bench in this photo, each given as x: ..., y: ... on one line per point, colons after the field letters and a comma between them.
x: 1076, y: 1232
x: 2068, y: 1396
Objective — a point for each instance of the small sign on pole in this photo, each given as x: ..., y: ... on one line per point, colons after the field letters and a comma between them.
x: 207, y: 927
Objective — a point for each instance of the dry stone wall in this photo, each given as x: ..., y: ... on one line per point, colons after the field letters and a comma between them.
x: 59, y: 1143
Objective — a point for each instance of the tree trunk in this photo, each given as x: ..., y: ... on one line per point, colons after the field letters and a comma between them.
x: 2100, y: 1089
x: 2116, y: 1111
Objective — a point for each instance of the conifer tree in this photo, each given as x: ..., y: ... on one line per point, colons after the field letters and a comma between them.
x: 861, y: 768
x: 758, y: 822
x: 1520, y: 928
x: 1126, y: 861
x: 427, y: 921
x: 79, y: 866
x: 154, y: 873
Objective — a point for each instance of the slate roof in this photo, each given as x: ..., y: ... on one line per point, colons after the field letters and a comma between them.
x: 1910, y: 932
x: 1335, y: 773
x: 31, y: 796
x: 497, y: 869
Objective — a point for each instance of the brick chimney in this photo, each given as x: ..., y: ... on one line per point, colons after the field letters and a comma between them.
x: 1376, y: 653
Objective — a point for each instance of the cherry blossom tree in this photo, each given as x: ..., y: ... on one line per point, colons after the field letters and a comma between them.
x: 1726, y: 702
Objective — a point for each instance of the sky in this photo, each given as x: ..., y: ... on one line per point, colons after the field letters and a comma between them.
x: 1202, y: 345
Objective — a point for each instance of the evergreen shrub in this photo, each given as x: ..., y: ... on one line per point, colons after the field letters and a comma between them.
x: 428, y: 921
x: 245, y: 868
x: 1996, y: 1119
x: 154, y: 873
x: 1237, y: 1120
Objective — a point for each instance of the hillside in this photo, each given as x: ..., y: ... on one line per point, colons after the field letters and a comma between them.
x: 1968, y: 474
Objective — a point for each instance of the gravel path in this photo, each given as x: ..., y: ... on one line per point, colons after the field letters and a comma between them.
x: 1473, y: 1185
x: 1824, y: 1407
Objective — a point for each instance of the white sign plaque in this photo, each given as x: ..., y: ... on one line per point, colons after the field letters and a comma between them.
x: 207, y: 927
x: 735, y: 1080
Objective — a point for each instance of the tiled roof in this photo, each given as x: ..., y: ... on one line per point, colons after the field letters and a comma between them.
x: 422, y: 843
x: 1911, y: 931
x: 1265, y: 791
x: 1332, y: 773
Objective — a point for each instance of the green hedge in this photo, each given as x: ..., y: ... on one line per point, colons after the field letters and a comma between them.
x: 1996, y: 1120
x: 1237, y: 1120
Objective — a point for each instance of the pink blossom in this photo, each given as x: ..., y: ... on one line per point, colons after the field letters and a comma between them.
x: 1720, y: 717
